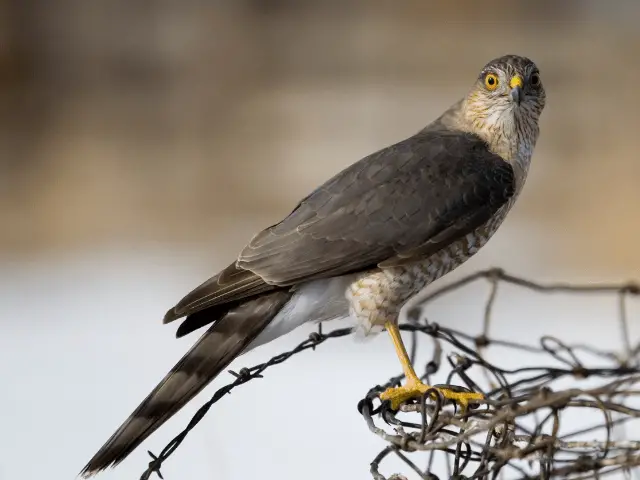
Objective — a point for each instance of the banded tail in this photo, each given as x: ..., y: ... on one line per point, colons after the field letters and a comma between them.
x: 236, y: 323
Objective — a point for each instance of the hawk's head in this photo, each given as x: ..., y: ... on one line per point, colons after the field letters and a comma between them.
x: 505, y: 102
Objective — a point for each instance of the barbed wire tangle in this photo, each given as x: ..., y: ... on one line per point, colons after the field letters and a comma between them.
x: 567, y: 420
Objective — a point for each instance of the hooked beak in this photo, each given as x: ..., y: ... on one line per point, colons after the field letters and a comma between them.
x: 516, y: 93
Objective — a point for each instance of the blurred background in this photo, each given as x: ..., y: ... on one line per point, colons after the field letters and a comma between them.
x: 143, y: 143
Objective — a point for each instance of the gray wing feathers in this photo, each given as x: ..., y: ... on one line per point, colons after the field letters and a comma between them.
x: 230, y: 285
x: 432, y: 187
x: 219, y: 345
x: 405, y: 201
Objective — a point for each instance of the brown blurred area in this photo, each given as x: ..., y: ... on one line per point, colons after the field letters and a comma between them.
x: 200, y: 122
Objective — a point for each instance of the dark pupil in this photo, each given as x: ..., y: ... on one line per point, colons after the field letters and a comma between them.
x: 491, y: 80
x: 535, y: 79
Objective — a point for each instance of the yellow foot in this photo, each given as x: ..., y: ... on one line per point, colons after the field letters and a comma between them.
x: 415, y: 388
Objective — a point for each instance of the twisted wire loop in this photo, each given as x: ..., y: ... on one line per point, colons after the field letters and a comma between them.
x: 519, y: 430
x: 567, y: 420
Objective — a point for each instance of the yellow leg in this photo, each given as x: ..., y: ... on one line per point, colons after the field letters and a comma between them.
x: 414, y: 386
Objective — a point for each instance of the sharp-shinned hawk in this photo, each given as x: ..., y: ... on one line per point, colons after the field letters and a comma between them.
x: 361, y: 244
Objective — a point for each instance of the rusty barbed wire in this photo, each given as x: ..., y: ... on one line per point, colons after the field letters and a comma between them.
x: 519, y: 427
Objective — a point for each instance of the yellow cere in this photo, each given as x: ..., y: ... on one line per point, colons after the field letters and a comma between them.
x: 516, y: 81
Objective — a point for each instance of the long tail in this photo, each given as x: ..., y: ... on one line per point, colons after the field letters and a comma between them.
x: 219, y: 345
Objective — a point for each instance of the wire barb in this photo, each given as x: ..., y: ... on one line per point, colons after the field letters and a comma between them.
x: 520, y: 429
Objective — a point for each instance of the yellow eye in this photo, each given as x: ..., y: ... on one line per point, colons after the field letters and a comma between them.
x: 491, y: 81
x: 535, y: 80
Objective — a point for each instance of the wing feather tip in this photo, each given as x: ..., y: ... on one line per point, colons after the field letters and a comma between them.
x: 170, y: 316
